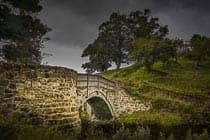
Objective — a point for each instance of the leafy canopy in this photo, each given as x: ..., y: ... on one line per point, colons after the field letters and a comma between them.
x: 22, y: 33
x: 99, y: 57
x: 147, y: 51
x: 116, y: 33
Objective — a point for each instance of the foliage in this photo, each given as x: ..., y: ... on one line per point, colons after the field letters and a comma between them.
x: 100, y: 59
x: 22, y: 53
x: 203, y: 136
x: 164, y: 119
x: 200, y: 48
x: 140, y: 133
x: 22, y: 33
x: 147, y: 51
x: 143, y: 24
x: 100, y: 109
x: 114, y: 129
x: 84, y: 116
x: 29, y: 132
x: 116, y: 33
x: 26, y: 5
x: 122, y: 133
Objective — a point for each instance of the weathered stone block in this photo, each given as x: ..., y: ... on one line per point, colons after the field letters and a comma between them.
x: 4, y: 83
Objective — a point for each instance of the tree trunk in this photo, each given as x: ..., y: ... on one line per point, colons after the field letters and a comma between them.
x: 118, y: 65
x: 199, y: 61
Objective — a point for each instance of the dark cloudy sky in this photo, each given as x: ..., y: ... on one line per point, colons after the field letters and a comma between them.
x: 74, y: 23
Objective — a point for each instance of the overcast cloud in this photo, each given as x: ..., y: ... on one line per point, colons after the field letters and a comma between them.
x: 74, y: 23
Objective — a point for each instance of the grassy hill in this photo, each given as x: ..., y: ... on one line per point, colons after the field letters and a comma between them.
x: 178, y: 94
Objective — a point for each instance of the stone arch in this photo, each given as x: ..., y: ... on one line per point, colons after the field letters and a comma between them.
x: 102, y: 96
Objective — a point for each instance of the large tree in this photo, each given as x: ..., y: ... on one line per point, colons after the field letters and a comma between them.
x: 119, y: 30
x: 22, y: 33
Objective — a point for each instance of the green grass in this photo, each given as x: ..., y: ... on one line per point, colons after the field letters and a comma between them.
x: 163, y: 102
x: 165, y: 88
x: 181, y: 79
x: 163, y: 118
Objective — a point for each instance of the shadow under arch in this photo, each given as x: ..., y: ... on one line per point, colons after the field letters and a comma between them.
x: 100, y: 104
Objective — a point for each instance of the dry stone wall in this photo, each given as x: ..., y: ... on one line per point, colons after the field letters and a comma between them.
x: 41, y: 95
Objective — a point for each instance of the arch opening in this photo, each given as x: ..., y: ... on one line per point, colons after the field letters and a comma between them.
x: 97, y: 109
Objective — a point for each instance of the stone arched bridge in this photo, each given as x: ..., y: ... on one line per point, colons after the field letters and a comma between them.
x: 117, y: 100
x: 53, y: 95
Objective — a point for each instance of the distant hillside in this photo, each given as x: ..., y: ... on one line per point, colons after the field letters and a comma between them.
x: 179, y: 94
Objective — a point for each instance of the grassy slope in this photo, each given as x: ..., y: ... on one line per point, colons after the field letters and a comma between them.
x: 176, y: 93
